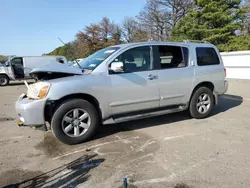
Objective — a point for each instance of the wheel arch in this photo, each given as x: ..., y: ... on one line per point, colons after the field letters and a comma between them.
x: 207, y: 84
x: 51, y: 106
x: 4, y: 74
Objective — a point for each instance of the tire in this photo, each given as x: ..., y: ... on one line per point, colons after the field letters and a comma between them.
x: 4, y: 80
x: 198, y: 108
x: 60, y: 123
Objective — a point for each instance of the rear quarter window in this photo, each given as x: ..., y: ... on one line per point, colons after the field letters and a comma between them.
x: 207, y: 56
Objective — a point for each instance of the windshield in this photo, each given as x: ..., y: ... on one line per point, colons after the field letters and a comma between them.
x: 3, y: 64
x: 92, y: 61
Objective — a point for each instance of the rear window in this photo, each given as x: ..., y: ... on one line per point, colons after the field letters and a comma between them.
x: 207, y: 56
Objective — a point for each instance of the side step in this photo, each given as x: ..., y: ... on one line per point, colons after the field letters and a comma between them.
x: 135, y: 116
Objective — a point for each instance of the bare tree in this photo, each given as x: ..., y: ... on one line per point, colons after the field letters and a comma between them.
x: 91, y: 36
x: 159, y: 17
x: 140, y: 35
x: 132, y: 31
x: 116, y: 34
x: 154, y: 21
x: 129, y: 27
x: 107, y: 28
x: 175, y: 10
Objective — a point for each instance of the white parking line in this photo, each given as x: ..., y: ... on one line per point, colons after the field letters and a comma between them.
x: 178, y: 136
x: 94, y: 146
x: 145, y: 145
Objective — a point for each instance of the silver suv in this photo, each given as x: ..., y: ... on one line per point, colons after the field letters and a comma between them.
x: 121, y: 83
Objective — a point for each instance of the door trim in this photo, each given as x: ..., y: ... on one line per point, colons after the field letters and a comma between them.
x: 128, y: 102
x: 171, y: 96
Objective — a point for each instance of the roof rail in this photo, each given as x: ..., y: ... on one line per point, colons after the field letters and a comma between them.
x: 196, y: 41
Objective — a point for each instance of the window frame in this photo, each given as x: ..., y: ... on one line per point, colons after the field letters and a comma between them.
x: 197, y: 62
x: 158, y: 59
x: 16, y: 58
x: 131, y: 48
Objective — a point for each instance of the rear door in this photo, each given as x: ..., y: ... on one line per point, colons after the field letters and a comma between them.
x: 209, y: 68
x: 175, y: 74
x: 17, y: 66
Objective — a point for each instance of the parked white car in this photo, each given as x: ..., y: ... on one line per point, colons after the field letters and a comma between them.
x: 18, y: 68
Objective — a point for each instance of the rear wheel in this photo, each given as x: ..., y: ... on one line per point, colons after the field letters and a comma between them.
x: 75, y: 121
x: 201, y: 103
x: 4, y: 80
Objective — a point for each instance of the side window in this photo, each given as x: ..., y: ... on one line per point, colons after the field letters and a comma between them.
x: 173, y: 57
x: 185, y: 55
x: 207, y: 56
x: 17, y: 62
x: 136, y: 59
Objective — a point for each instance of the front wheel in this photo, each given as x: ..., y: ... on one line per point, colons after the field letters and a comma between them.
x: 75, y: 121
x: 4, y: 80
x: 201, y: 103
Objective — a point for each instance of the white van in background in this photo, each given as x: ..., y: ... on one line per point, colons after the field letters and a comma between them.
x: 18, y: 68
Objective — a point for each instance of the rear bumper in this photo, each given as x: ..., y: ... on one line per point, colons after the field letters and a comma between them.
x: 30, y: 112
x: 226, y: 86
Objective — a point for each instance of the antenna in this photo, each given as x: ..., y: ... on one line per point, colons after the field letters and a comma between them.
x: 73, y: 60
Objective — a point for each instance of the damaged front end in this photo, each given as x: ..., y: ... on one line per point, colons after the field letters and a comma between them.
x: 31, y: 107
x: 53, y: 71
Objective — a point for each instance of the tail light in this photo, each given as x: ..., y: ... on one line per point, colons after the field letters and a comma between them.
x: 225, y: 72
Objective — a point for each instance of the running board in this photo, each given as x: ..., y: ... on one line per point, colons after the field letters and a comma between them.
x: 117, y: 119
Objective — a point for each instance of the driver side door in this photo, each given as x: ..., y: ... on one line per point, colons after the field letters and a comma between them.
x: 136, y: 88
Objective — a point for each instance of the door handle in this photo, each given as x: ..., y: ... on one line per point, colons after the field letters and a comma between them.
x: 151, y: 77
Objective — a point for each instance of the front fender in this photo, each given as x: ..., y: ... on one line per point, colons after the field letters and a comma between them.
x: 94, y: 85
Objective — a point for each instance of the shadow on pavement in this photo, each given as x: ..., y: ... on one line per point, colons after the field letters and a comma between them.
x: 69, y: 175
x: 226, y: 102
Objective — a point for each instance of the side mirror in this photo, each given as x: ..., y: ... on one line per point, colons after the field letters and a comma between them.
x: 7, y: 64
x: 117, y: 67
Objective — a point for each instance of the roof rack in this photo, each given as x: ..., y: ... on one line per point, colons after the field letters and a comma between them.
x: 196, y: 41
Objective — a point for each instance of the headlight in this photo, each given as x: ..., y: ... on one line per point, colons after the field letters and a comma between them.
x: 38, y: 90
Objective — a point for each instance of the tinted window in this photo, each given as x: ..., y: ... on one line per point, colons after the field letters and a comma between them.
x: 17, y: 61
x: 60, y: 60
x: 173, y: 57
x: 207, y: 56
x: 136, y: 59
x: 186, y: 55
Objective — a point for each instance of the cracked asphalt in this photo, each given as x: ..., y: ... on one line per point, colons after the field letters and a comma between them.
x: 172, y: 151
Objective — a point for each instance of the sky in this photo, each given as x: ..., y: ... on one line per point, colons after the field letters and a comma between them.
x: 32, y: 27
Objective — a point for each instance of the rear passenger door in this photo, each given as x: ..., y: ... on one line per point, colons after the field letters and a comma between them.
x: 175, y: 74
x: 209, y: 68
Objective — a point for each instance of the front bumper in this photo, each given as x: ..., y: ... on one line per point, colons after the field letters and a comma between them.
x: 30, y: 112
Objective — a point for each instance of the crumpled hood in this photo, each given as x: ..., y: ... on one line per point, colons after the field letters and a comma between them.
x: 54, y: 70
